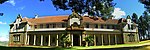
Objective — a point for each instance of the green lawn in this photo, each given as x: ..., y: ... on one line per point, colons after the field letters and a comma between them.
x: 138, y: 46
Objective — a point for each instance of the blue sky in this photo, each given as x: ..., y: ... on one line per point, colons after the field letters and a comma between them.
x: 29, y: 8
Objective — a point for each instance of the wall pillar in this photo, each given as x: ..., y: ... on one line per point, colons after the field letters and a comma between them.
x: 109, y: 38
x: 28, y: 39
x: 94, y: 40
x: 41, y: 40
x: 57, y: 40
x: 72, y: 39
x: 80, y: 40
x: 49, y: 40
x: 102, y: 39
x: 115, y: 40
x: 34, y: 40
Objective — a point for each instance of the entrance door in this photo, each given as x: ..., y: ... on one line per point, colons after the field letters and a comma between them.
x: 76, y: 40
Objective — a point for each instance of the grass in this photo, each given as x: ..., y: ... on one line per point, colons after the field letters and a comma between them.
x: 140, y: 46
x: 134, y: 45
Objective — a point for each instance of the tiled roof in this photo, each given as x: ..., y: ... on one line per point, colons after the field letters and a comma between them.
x: 54, y: 19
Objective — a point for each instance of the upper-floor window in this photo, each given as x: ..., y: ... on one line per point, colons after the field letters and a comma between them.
x: 87, y: 25
x: 102, y: 26
x: 132, y: 27
x: 108, y: 26
x: 129, y: 26
x: 41, y: 25
x: 35, y: 26
x: 54, y: 25
x: 64, y: 25
x: 96, y: 25
x: 47, y: 25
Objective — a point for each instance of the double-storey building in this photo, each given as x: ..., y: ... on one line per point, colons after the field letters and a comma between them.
x: 47, y: 31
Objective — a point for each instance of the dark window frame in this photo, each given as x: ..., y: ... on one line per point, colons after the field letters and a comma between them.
x: 87, y: 25
x: 16, y: 38
x: 54, y: 25
x: 47, y: 26
x: 96, y: 25
x: 41, y: 25
x: 35, y: 26
x: 102, y: 26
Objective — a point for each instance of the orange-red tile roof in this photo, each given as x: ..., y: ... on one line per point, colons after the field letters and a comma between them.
x: 55, y: 19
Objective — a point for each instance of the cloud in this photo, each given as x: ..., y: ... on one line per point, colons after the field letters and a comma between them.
x: 118, y: 13
x: 2, y: 22
x: 12, y: 2
x: 3, y: 38
x: 20, y: 8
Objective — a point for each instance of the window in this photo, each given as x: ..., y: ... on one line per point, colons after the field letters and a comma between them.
x: 35, y: 26
x: 87, y: 25
x: 54, y: 25
x: 113, y: 26
x: 132, y: 27
x: 63, y: 25
x: 102, y: 26
x: 47, y: 25
x: 16, y: 38
x: 128, y: 26
x: 41, y: 25
x: 108, y: 27
x: 96, y: 25
x: 131, y: 37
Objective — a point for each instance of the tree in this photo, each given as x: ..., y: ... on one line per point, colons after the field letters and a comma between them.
x: 143, y: 27
x: 65, y: 40
x: 146, y: 4
x: 2, y: 1
x: 103, y: 8
x: 89, y: 39
x: 134, y: 18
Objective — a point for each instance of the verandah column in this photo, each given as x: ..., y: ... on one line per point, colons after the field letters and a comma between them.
x: 28, y: 39
x: 57, y: 40
x: 109, y: 38
x: 102, y: 39
x: 49, y: 40
x: 41, y: 40
x: 115, y: 40
x: 34, y: 39
x: 94, y: 40
x: 80, y: 39
x: 72, y: 39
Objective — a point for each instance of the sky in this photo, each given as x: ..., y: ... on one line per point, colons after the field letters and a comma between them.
x: 29, y: 8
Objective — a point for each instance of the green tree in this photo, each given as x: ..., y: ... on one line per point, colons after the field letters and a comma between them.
x: 103, y: 8
x: 143, y: 27
x: 134, y: 18
x: 146, y: 4
x: 3, y: 1
x: 89, y: 39
x: 65, y: 40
